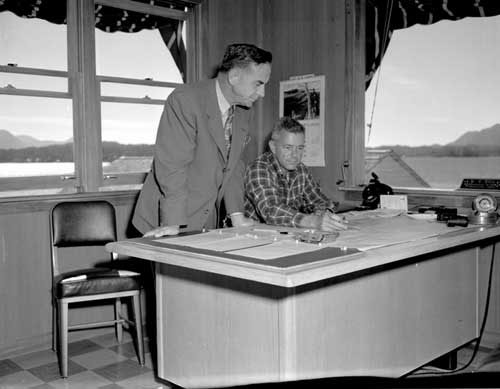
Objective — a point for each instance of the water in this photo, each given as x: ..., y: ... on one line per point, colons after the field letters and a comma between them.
x: 9, y: 169
x: 442, y: 172
x: 29, y: 169
x: 448, y: 172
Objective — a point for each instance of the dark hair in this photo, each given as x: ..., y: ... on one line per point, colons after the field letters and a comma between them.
x: 286, y: 123
x: 242, y: 55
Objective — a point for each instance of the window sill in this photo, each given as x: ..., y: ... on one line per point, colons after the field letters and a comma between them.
x: 429, y: 191
x: 418, y: 197
x: 21, y: 204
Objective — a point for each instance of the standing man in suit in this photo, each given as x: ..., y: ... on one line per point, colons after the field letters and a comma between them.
x: 197, y: 167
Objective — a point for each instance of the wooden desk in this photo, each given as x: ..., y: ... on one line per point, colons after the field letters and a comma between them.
x: 226, y: 320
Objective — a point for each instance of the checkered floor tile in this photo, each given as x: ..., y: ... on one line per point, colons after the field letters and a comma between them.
x: 102, y: 363
x: 98, y: 362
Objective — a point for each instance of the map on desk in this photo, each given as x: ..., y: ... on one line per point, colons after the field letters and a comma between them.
x: 365, y: 231
x: 247, y: 243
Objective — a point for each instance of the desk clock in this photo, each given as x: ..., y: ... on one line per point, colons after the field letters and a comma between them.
x: 484, y: 210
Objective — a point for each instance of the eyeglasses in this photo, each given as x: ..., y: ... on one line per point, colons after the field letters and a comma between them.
x: 289, y: 149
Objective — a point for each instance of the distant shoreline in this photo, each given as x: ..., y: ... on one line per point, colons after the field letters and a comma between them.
x: 439, y: 172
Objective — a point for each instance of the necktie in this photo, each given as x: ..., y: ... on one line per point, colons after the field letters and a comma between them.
x: 228, y: 128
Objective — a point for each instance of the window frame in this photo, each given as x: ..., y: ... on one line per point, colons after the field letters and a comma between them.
x: 354, y: 137
x: 84, y: 86
x: 354, y: 129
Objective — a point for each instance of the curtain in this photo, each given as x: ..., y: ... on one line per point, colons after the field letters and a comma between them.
x: 110, y: 19
x: 171, y: 34
x: 385, y: 16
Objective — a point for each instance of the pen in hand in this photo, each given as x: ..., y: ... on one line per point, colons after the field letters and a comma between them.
x: 331, y: 221
x: 343, y: 220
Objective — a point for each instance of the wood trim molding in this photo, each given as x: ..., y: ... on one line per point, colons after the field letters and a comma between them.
x: 36, y: 182
x: 42, y: 203
x: 132, y: 100
x: 354, y: 140
x: 135, y: 81
x: 12, y: 91
x: 85, y: 90
x: 194, y: 44
x: 33, y: 71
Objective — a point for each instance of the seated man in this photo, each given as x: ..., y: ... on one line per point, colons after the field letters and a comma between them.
x: 280, y: 190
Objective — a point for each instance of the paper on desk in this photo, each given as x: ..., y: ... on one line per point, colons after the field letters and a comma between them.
x: 278, y: 249
x: 382, y: 231
x: 373, y: 214
x: 376, y: 229
x: 217, y: 240
x: 201, y: 238
x: 244, y: 244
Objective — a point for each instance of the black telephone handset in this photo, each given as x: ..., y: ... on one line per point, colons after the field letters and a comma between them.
x: 371, y: 193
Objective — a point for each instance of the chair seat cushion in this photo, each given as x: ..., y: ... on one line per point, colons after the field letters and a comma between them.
x: 84, y: 282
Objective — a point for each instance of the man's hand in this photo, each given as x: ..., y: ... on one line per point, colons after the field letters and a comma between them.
x: 331, y: 222
x: 162, y: 231
x: 238, y: 220
x: 327, y: 222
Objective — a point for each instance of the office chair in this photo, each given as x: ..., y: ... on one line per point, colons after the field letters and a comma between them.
x: 88, y: 223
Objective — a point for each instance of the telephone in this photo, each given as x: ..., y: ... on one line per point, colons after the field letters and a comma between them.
x: 371, y: 193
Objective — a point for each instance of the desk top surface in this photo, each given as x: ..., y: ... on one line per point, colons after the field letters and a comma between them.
x: 276, y: 256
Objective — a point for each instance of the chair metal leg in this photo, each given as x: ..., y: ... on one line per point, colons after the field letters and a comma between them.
x: 63, y: 337
x: 138, y: 326
x: 54, y: 325
x: 118, y: 316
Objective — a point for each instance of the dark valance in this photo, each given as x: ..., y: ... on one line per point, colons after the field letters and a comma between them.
x: 385, y: 16
x: 112, y: 19
x: 382, y: 18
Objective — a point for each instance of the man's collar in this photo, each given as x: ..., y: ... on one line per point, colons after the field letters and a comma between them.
x: 223, y: 103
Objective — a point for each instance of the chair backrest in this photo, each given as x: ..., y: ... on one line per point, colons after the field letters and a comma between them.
x: 83, y: 223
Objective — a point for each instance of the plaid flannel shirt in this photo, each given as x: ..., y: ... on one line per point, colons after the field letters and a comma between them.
x: 274, y: 195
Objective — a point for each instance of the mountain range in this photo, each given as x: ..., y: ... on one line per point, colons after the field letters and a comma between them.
x: 10, y: 141
x: 485, y: 137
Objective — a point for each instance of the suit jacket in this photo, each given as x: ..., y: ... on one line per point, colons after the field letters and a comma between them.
x: 190, y: 173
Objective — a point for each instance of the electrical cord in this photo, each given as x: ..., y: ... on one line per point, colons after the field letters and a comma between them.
x: 481, y: 331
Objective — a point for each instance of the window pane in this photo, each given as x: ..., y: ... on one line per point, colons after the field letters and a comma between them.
x: 35, y: 141
x: 27, y: 81
x: 438, y: 97
x: 129, y: 130
x: 35, y: 132
x: 32, y: 43
x: 137, y: 55
x: 136, y: 91
x: 129, y: 133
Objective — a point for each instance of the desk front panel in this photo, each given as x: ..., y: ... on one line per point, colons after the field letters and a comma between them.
x: 215, y: 330
x: 386, y: 323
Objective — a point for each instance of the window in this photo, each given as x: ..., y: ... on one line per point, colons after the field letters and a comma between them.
x: 56, y: 139
x: 436, y: 119
x: 130, y: 112
x: 35, y: 108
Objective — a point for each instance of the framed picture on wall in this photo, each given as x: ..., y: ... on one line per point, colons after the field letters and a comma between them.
x: 303, y: 98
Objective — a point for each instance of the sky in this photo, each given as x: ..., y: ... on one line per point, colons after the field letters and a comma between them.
x: 436, y: 82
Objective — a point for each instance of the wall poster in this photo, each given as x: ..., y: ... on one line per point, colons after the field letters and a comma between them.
x: 303, y: 98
